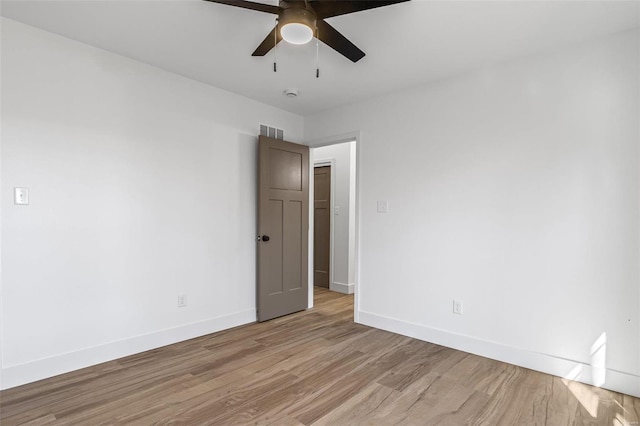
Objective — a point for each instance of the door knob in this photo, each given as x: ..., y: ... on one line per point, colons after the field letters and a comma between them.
x: 265, y: 238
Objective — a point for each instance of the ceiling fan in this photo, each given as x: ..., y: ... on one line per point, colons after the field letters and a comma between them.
x: 301, y: 20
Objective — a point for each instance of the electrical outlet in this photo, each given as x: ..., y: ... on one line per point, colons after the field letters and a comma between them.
x: 182, y: 300
x: 457, y: 307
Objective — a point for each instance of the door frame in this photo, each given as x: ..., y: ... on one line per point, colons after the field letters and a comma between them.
x: 322, y: 163
x: 354, y: 136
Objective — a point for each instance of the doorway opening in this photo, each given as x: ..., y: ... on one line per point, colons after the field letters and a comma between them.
x: 333, y: 206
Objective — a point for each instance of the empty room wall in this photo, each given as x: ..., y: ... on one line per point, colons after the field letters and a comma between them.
x: 142, y: 187
x: 515, y: 189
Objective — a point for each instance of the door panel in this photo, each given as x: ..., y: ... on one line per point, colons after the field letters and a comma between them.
x: 284, y: 170
x: 274, y: 283
x: 283, y: 216
x: 293, y: 246
x: 322, y: 226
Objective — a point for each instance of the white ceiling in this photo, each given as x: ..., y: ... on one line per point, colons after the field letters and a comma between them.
x: 406, y: 44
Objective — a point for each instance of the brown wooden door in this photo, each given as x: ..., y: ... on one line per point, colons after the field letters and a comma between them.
x: 321, y: 225
x: 283, y: 226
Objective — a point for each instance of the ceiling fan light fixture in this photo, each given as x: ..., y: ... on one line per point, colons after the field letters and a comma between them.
x: 296, y: 33
x: 297, y: 25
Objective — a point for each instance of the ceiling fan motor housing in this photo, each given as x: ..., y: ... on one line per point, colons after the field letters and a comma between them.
x: 297, y: 15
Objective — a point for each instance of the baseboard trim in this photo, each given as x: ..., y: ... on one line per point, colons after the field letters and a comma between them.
x: 342, y: 287
x: 16, y: 375
x: 616, y: 381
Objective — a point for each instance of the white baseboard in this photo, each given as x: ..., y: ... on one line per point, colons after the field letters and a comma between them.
x: 17, y: 375
x: 575, y: 370
x: 342, y: 288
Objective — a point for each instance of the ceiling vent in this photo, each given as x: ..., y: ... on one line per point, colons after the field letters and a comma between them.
x: 271, y: 132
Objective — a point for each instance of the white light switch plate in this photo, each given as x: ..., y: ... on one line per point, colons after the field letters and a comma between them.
x: 383, y: 207
x: 21, y: 196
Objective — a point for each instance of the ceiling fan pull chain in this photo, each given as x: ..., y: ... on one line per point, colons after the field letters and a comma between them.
x: 317, y: 53
x: 275, y: 48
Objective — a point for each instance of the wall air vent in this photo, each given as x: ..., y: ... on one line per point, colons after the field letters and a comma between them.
x: 271, y: 132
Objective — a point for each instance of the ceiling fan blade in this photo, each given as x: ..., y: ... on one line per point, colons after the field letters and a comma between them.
x: 261, y: 7
x: 332, y: 38
x: 268, y: 43
x: 328, y: 8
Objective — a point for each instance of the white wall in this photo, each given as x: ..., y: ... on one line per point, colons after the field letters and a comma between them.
x: 343, y: 197
x: 514, y: 188
x: 142, y: 186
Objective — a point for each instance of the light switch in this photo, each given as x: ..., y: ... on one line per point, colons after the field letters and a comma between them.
x: 383, y: 207
x: 336, y: 210
x: 21, y: 196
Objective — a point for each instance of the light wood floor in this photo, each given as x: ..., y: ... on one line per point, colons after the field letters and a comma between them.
x: 315, y: 367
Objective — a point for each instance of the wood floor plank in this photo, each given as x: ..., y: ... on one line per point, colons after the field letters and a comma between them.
x: 40, y: 421
x: 314, y: 367
x: 363, y: 405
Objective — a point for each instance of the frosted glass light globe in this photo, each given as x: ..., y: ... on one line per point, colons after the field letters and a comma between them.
x: 296, y: 33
